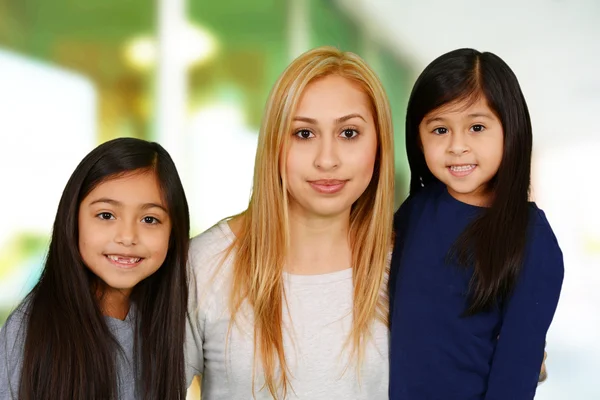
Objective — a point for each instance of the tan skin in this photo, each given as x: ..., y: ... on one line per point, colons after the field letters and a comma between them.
x: 449, y: 118
x: 333, y: 143
x: 124, y: 230
x: 333, y: 139
x: 543, y: 373
x: 465, y: 134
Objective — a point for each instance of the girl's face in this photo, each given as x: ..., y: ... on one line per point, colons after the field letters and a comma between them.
x: 463, y: 146
x: 124, y: 230
x: 332, y: 154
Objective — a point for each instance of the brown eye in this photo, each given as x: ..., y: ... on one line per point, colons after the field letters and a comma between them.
x: 477, y: 128
x: 304, y: 134
x: 349, y: 133
x: 440, y: 131
x: 151, y: 220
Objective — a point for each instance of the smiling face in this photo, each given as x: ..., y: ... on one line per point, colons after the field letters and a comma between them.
x: 124, y: 230
x: 463, y: 147
x: 332, y: 154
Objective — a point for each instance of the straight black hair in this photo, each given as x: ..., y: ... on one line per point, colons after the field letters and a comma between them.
x: 494, y: 242
x: 69, y: 351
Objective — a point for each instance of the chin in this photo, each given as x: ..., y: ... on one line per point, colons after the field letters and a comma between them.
x: 120, y: 285
x: 332, y: 213
x: 463, y: 187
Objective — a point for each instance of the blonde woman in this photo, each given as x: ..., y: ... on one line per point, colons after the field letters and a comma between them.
x: 288, y: 298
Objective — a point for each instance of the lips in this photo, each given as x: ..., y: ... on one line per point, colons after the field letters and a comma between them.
x: 328, y: 186
x: 124, y: 261
x: 461, y: 170
x: 328, y: 182
x: 462, y: 167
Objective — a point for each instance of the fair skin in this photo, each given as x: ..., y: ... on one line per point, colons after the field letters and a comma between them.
x: 124, y: 230
x: 463, y: 145
x: 330, y: 163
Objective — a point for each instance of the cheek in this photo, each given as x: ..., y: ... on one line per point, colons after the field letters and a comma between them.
x: 499, y: 157
x: 366, y: 156
x: 91, y: 246
x: 432, y: 154
x: 500, y: 149
x: 496, y: 152
x: 158, y: 242
x: 431, y: 149
x: 366, y: 161
x: 87, y: 238
x: 295, y: 164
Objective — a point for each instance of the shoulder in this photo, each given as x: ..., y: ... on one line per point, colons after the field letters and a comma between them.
x: 210, y: 248
x: 543, y: 250
x: 415, y: 202
x: 210, y: 267
x: 540, y: 230
x: 16, y: 324
x: 401, y: 216
x: 539, y: 221
x: 12, y: 341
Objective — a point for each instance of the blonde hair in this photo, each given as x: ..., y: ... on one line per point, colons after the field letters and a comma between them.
x: 263, y: 237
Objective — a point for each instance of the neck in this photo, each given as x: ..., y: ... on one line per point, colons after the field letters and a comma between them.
x: 318, y: 245
x: 113, y: 302
x: 481, y: 197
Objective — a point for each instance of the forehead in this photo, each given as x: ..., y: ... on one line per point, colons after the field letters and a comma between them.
x: 130, y: 188
x: 461, y: 108
x: 333, y: 96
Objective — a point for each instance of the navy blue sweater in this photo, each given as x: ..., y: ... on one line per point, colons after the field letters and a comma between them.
x: 438, y: 354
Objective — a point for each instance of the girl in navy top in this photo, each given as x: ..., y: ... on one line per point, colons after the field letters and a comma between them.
x: 476, y: 270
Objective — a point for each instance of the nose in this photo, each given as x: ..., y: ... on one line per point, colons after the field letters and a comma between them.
x: 327, y: 157
x: 127, y: 234
x: 458, y: 144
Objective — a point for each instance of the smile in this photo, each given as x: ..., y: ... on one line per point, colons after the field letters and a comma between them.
x: 461, y: 170
x: 328, y: 186
x: 124, y: 261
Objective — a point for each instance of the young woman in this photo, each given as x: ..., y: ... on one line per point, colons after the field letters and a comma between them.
x: 289, y: 298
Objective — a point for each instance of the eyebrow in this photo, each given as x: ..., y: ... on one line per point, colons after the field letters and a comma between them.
x: 116, y: 203
x: 472, y: 115
x: 435, y: 119
x: 337, y: 121
x: 479, y: 115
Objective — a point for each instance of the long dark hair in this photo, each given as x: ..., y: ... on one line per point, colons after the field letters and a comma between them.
x: 69, y: 351
x: 494, y: 242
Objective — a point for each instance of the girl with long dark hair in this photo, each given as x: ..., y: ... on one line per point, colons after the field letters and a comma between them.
x: 476, y: 270
x: 107, y: 318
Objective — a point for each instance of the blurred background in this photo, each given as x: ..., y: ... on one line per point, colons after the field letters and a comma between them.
x: 194, y: 75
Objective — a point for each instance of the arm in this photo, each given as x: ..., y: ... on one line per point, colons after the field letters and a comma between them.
x: 194, y: 333
x: 543, y: 372
x: 528, y: 313
x: 400, y: 226
x: 12, y: 337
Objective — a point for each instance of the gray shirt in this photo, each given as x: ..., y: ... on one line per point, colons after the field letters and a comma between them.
x: 317, y: 322
x: 12, y: 338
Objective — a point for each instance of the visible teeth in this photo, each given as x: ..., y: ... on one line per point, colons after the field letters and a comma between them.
x: 462, y: 168
x: 124, y: 260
